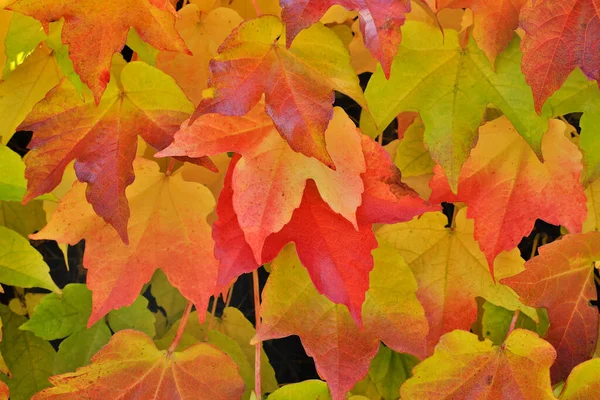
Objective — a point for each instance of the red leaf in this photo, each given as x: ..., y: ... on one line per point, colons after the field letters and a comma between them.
x: 561, y: 279
x: 560, y: 35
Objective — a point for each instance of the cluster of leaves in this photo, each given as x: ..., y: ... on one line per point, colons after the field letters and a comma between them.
x: 216, y: 149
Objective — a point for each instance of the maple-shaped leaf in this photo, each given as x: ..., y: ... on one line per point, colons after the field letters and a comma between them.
x: 559, y: 36
x: 561, y: 279
x: 102, y: 139
x: 342, y: 351
x: 131, y: 367
x: 451, y: 86
x: 506, y: 187
x: 94, y: 31
x: 380, y: 22
x: 466, y: 368
x: 494, y: 22
x: 323, y: 237
x: 451, y: 271
x: 4, y: 393
x: 203, y: 32
x: 168, y: 230
x: 583, y: 382
x: 270, y: 178
x: 298, y: 82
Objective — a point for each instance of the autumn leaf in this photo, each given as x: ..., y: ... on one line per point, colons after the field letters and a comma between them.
x: 4, y: 392
x: 494, y: 22
x: 560, y: 36
x: 12, y: 170
x: 141, y: 100
x: 451, y: 271
x: 380, y: 22
x: 583, y: 382
x: 203, y: 32
x: 342, y: 351
x: 309, y: 389
x: 131, y: 367
x: 506, y: 187
x: 561, y: 279
x: 269, y: 180
x: 451, y: 87
x: 167, y: 213
x: 464, y: 367
x: 95, y: 31
x: 298, y: 83
x: 24, y: 87
x: 592, y: 193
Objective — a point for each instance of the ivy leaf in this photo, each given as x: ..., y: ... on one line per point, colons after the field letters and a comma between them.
x: 270, y: 178
x: 496, y: 321
x: 23, y: 36
x: 561, y: 279
x: 20, y: 264
x: 592, y: 193
x: 95, y: 31
x: 583, y: 382
x: 380, y: 22
x: 203, y: 33
x: 77, y: 350
x: 451, y: 88
x: 507, y: 188
x: 560, y: 36
x: 136, y: 316
x: 451, y: 271
x: 23, y: 219
x: 298, y: 83
x: 29, y: 358
x: 342, y: 351
x: 166, y: 211
x: 12, y: 181
x: 478, y: 370
x: 130, y: 366
x: 306, y: 390
x: 103, y: 139
x: 4, y: 391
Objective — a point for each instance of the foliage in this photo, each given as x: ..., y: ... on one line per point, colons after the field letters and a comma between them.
x: 188, y: 143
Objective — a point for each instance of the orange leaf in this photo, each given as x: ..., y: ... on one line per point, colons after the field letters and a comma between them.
x: 94, y: 31
x: 168, y: 230
x: 298, y: 83
x: 507, y: 188
x: 561, y: 279
x: 131, y: 367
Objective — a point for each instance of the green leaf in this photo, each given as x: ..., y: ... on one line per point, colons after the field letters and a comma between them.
x: 169, y: 299
x: 29, y: 358
x: 451, y: 87
x: 307, y: 390
x: 388, y: 371
x: 23, y: 219
x: 20, y: 264
x: 412, y: 158
x: 579, y: 94
x: 59, y: 316
x: 496, y: 322
x: 136, y: 316
x: 78, y: 349
x: 12, y: 175
x: 145, y: 51
x: 23, y: 36
x: 61, y: 52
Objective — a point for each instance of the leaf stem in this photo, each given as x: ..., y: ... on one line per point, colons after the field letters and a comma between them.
x: 229, y: 294
x: 181, y: 328
x: 453, y: 222
x: 257, y: 386
x: 256, y: 8
x: 170, y: 167
x: 536, y: 242
x: 213, y: 310
x: 513, y: 323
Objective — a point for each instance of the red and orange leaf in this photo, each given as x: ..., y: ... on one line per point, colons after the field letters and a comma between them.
x: 494, y: 22
x: 94, y: 31
x: 560, y: 36
x: 4, y: 394
x: 583, y: 382
x: 343, y: 351
x: 203, y: 32
x: 168, y: 230
x: 465, y: 368
x: 102, y: 139
x: 506, y: 186
x: 269, y: 179
x: 451, y: 271
x: 298, y: 83
x: 561, y: 279
x: 380, y: 22
x: 131, y: 367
